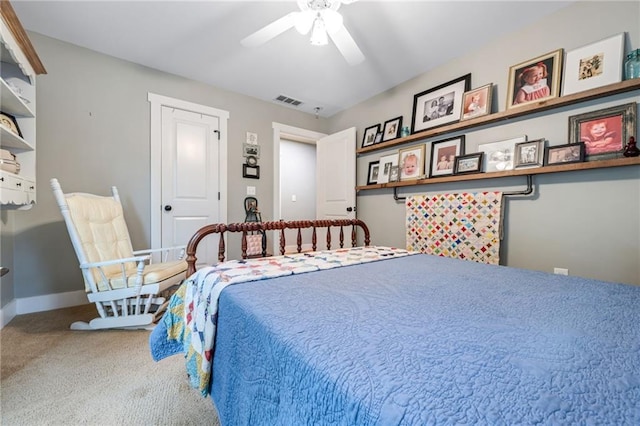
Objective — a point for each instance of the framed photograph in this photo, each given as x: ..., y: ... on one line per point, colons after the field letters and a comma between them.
x: 9, y: 122
x: 604, y: 132
x: 440, y: 105
x: 386, y: 163
x: 394, y: 174
x: 594, y: 65
x: 370, y: 133
x: 250, y: 149
x: 476, y: 103
x: 470, y: 163
x: 411, y: 162
x: 443, y: 154
x: 563, y: 154
x: 251, y: 172
x: 378, y: 137
x: 498, y: 156
x: 372, y: 177
x: 535, y: 80
x: 529, y: 154
x: 391, y: 129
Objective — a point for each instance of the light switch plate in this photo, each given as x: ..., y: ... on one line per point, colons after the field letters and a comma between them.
x: 251, y: 190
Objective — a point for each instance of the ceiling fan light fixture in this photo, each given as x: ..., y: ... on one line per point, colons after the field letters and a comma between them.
x: 304, y: 21
x: 319, y: 33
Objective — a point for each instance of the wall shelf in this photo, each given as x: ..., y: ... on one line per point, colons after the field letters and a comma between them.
x: 589, y: 165
x: 597, y: 93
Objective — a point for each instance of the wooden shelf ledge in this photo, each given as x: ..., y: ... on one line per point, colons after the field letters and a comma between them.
x: 599, y: 92
x: 602, y: 164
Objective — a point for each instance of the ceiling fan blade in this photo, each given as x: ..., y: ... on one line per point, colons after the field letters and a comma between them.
x: 347, y: 46
x: 270, y: 31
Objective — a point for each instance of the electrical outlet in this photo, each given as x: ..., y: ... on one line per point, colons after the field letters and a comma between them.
x: 251, y: 190
x: 561, y: 271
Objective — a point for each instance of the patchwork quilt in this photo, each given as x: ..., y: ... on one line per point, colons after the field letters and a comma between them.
x: 464, y: 226
x: 191, y: 318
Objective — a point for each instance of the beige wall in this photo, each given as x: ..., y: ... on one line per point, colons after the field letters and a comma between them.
x: 93, y: 132
x: 588, y: 222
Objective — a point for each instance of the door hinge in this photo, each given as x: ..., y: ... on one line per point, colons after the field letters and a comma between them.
x: 218, y: 132
x: 218, y: 196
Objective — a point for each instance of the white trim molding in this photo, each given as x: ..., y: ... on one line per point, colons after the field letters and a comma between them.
x: 47, y: 302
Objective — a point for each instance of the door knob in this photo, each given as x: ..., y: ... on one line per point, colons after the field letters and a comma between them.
x: 167, y: 208
x: 349, y: 209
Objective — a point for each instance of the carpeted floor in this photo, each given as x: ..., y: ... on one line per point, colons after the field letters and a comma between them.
x: 51, y: 375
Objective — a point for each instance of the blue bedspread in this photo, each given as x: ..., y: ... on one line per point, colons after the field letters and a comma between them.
x: 427, y: 340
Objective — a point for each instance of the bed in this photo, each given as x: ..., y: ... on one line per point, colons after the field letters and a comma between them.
x: 382, y: 336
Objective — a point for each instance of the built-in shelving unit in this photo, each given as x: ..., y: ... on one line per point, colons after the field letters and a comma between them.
x: 498, y: 117
x: 20, y: 66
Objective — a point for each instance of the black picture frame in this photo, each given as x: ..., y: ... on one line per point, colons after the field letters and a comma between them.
x: 391, y: 129
x: 372, y: 175
x: 370, y: 133
x: 439, y: 105
x: 450, y: 148
x: 470, y: 163
x: 564, y: 154
x: 250, y: 172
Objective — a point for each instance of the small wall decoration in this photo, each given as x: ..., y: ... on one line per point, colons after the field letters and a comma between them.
x: 563, y: 154
x: 9, y: 122
x: 498, y: 156
x: 604, y: 132
x: 411, y: 162
x: 529, y: 154
x: 394, y: 175
x: 440, y: 105
x: 443, y: 154
x: 386, y: 163
x: 470, y: 163
x: 476, y: 103
x: 251, y: 172
x: 392, y: 129
x: 594, y: 65
x: 370, y: 133
x: 252, y: 138
x: 372, y: 176
x: 250, y: 149
x: 535, y: 80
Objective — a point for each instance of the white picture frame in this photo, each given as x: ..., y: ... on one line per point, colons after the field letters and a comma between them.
x: 386, y: 162
x: 499, y: 155
x: 594, y: 65
x: 250, y: 149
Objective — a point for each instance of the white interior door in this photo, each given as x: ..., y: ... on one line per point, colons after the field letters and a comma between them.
x: 336, y: 175
x: 190, y: 178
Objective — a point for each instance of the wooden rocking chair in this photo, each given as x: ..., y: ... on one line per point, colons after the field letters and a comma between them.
x: 129, y: 290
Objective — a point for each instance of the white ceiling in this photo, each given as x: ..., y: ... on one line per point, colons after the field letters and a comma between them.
x: 200, y: 40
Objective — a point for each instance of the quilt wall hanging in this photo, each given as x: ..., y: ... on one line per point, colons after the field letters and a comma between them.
x: 464, y: 226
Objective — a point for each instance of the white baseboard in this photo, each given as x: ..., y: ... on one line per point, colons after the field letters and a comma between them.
x: 48, y: 302
x: 7, y: 313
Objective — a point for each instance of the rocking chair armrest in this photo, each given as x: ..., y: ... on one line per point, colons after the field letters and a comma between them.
x: 180, y: 249
x: 136, y: 259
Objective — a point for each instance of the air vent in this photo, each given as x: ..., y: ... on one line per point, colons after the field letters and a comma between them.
x: 287, y: 100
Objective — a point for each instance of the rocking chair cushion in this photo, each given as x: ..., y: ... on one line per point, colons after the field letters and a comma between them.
x: 154, y: 273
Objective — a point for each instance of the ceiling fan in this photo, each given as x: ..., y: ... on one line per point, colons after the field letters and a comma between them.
x: 321, y: 17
